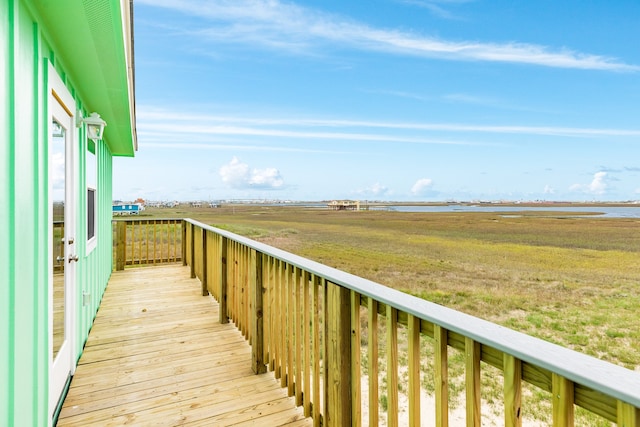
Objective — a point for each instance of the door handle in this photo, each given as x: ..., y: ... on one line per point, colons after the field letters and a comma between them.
x: 73, y: 258
x: 60, y: 258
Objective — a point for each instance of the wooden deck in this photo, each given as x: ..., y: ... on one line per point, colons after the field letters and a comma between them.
x: 157, y: 355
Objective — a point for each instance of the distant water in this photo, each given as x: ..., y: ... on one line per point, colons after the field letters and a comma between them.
x: 601, y: 211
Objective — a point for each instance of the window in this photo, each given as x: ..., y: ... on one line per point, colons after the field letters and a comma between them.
x: 92, y: 187
x: 91, y: 213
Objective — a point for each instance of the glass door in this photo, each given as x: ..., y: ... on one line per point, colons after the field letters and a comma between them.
x: 63, y: 247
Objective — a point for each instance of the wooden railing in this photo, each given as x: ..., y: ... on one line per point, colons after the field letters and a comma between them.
x: 308, y: 323
x: 146, y: 241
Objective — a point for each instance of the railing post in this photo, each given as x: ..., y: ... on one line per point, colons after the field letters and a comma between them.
x: 184, y: 242
x: 337, y: 372
x: 257, y: 349
x: 205, y: 290
x: 193, y: 251
x: 121, y: 245
x: 356, y: 370
x: 223, y: 282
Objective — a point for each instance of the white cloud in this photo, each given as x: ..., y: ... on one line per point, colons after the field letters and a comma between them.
x: 266, y: 178
x: 238, y: 175
x: 548, y: 190
x: 597, y: 186
x: 421, y: 186
x: 376, y: 189
x: 300, y: 30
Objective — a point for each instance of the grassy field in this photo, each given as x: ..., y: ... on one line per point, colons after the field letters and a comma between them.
x: 572, y: 281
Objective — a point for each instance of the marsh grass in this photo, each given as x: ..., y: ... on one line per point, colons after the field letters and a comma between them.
x: 574, y: 281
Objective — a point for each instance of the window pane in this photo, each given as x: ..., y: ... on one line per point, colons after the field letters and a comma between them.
x: 91, y: 213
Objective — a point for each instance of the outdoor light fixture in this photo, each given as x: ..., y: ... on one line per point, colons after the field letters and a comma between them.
x: 95, y: 126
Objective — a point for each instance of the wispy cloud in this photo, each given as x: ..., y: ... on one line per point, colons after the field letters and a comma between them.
x: 171, y: 122
x: 436, y: 7
x: 295, y: 29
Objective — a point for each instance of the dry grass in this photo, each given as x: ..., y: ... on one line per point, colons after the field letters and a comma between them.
x: 574, y: 281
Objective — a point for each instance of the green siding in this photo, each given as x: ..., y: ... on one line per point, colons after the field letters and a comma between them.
x: 25, y: 52
x: 23, y: 365
x: 6, y: 214
x: 94, y: 272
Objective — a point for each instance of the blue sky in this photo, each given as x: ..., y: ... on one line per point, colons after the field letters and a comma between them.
x: 412, y: 100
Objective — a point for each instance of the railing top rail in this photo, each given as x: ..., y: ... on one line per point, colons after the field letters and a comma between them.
x: 142, y: 218
x: 613, y: 380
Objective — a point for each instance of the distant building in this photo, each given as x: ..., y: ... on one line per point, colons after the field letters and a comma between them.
x: 344, y: 205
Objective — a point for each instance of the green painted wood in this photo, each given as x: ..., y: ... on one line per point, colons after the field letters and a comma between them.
x: 94, y: 46
x: 27, y: 46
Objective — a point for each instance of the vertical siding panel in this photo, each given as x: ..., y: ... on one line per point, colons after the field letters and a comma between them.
x: 25, y: 237
x: 83, y: 266
x: 41, y: 225
x: 6, y: 213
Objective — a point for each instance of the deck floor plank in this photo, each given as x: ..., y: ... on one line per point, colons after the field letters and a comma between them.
x: 157, y: 355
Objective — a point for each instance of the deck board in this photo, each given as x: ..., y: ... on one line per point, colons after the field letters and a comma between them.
x: 157, y: 355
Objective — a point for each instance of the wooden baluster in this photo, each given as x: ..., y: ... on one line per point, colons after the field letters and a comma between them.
x: 121, y: 245
x: 140, y: 226
x: 155, y: 243
x: 273, y: 319
x: 315, y: 296
x: 183, y: 225
x: 356, y: 403
x: 414, y: 370
x: 290, y: 330
x: 146, y: 241
x: 282, y: 302
x: 392, y: 366
x: 193, y: 251
x: 205, y: 282
x: 337, y: 372
x: 223, y: 282
x: 257, y: 349
x: 306, y: 324
x: 298, y: 335
x: 372, y: 348
x: 472, y: 375
x: 441, y: 373
x: 628, y: 415
x: 512, y: 391
x: 563, y: 399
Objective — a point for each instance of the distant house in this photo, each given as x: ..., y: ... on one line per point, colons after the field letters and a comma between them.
x: 60, y: 62
x: 128, y: 209
x: 344, y: 205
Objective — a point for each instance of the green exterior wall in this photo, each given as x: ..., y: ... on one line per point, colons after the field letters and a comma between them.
x: 25, y: 53
x: 23, y: 219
